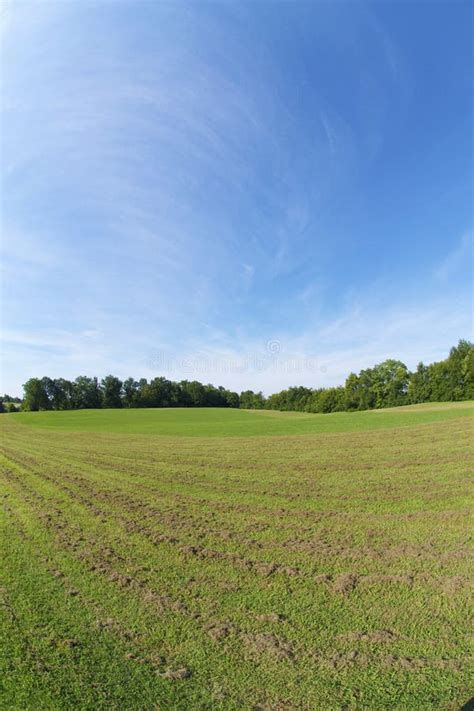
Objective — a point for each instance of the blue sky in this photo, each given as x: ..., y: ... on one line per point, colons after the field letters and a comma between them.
x: 251, y: 194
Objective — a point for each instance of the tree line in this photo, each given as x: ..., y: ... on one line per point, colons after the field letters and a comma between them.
x: 387, y: 384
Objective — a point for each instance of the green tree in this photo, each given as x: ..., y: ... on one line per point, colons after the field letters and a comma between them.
x: 111, y: 391
x: 247, y: 399
x: 86, y: 393
x: 194, y: 393
x: 351, y: 392
x: 59, y: 392
x: 160, y: 392
x: 419, y: 386
x: 131, y: 392
x: 64, y: 395
x: 467, y: 370
x: 252, y: 401
x: 35, y: 395
x: 232, y: 399
x: 389, y: 383
x: 332, y: 400
x: 460, y: 364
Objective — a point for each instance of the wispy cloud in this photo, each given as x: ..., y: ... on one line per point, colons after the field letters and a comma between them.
x: 459, y: 258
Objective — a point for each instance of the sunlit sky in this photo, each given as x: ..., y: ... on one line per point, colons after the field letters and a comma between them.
x: 253, y: 194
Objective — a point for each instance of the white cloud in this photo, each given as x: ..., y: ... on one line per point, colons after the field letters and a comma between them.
x: 457, y: 259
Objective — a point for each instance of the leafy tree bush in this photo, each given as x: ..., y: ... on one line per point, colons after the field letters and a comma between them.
x: 111, y: 391
x: 35, y: 395
x: 386, y: 384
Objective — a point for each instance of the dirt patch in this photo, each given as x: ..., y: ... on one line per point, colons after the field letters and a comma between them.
x: 454, y: 584
x: 271, y: 617
x: 260, y: 567
x: 265, y: 569
x: 344, y: 584
x: 343, y: 660
x: 377, y: 636
x: 176, y: 674
x: 163, y: 602
x: 341, y: 584
x: 218, y: 632
x: 124, y: 581
x: 322, y: 579
x: 114, y: 627
x: 410, y: 663
x: 262, y: 643
x: 289, y: 570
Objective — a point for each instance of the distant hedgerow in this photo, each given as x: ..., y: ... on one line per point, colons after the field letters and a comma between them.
x: 387, y: 384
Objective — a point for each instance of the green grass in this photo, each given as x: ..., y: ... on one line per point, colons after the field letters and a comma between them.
x: 285, y: 561
x: 215, y: 422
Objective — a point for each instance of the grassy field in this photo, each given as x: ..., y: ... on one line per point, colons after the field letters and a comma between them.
x: 213, y: 422
x: 219, y: 559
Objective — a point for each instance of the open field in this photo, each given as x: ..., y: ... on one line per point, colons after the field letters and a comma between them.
x: 213, y: 422
x: 224, y: 559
